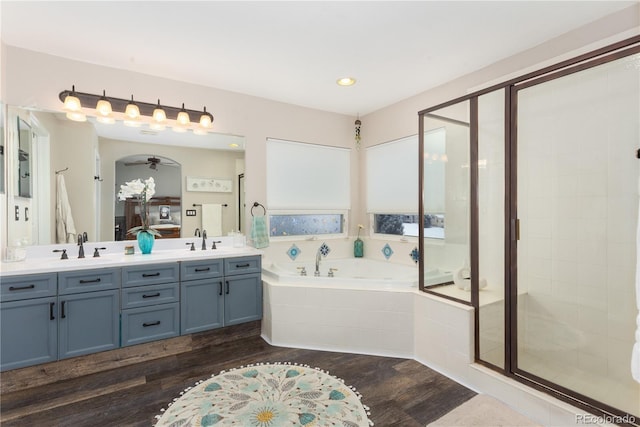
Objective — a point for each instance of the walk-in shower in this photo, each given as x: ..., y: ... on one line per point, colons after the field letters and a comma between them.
x: 547, y: 200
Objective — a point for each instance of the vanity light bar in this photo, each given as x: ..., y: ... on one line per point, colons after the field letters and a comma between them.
x: 119, y: 105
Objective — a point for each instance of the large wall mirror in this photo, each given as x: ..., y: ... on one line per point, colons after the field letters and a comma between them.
x: 95, y: 159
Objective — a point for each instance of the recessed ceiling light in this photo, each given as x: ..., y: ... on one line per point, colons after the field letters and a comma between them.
x: 346, y: 81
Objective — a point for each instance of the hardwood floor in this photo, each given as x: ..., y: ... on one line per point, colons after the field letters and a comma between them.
x: 128, y: 387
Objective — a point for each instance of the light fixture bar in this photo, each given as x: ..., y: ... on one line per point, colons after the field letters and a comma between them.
x: 119, y: 105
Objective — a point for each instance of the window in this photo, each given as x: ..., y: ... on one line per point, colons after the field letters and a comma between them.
x: 308, y: 189
x: 392, y: 186
x: 305, y: 224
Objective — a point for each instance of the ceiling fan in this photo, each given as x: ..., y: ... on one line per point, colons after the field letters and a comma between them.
x: 153, y: 163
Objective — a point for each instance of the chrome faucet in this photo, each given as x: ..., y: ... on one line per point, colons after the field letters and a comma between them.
x: 204, y: 240
x: 81, y: 244
x: 318, y: 256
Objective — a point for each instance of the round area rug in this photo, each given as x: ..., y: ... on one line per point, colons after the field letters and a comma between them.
x: 268, y: 395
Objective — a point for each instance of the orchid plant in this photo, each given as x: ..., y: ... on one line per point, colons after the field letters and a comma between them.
x: 144, y: 191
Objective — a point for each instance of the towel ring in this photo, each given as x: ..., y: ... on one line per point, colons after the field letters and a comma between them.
x: 255, y: 205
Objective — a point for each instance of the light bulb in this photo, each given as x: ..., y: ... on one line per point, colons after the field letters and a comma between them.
x: 72, y: 102
x: 76, y: 117
x: 103, y: 107
x: 346, y: 81
x: 107, y: 120
x: 183, y: 116
x: 158, y: 114
x: 132, y: 123
x: 205, y: 119
x: 132, y: 110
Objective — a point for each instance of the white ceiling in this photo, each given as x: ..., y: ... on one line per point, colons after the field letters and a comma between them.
x: 294, y: 51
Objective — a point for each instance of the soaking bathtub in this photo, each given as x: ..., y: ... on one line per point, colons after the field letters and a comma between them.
x: 367, y: 307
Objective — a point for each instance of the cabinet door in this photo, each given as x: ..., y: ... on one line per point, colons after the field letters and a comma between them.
x: 242, y: 299
x: 29, y: 334
x: 89, y: 322
x: 201, y: 305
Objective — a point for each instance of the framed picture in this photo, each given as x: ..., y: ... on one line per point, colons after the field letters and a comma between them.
x: 165, y: 211
x: 211, y: 185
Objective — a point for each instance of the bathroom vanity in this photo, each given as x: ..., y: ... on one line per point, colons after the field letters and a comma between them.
x: 56, y: 309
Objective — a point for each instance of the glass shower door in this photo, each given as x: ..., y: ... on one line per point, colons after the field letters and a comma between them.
x: 577, y: 195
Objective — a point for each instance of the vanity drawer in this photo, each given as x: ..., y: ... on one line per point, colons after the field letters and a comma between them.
x: 30, y: 286
x: 242, y: 265
x: 88, y: 280
x: 141, y: 296
x: 152, y: 323
x: 204, y: 269
x: 150, y: 274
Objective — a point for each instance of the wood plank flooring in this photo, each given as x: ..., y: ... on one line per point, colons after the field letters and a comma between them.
x: 128, y: 387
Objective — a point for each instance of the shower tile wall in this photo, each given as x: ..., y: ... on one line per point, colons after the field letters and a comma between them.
x: 578, y: 205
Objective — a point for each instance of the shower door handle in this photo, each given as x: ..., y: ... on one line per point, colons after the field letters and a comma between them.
x: 515, y: 229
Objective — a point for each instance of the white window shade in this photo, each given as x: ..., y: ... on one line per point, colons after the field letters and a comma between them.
x: 392, y: 176
x: 307, y: 176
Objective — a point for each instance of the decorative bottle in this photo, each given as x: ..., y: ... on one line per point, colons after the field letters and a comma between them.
x: 358, y: 244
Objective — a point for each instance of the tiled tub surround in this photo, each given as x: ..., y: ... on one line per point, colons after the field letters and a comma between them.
x: 377, y: 322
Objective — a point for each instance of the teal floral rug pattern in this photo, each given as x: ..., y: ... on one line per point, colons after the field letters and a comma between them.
x: 268, y: 395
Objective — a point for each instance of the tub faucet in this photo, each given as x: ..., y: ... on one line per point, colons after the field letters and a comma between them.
x: 204, y: 240
x: 81, y: 244
x: 318, y: 256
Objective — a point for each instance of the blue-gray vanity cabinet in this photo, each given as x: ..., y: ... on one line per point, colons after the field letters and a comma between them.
x: 28, y: 320
x: 201, y: 295
x: 150, y: 302
x: 89, y: 311
x: 243, y: 290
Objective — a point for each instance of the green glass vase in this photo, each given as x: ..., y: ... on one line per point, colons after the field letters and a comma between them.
x: 145, y: 241
x: 358, y: 248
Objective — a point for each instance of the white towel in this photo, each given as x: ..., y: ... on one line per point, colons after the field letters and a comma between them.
x: 462, y: 280
x: 212, y: 219
x: 635, y: 353
x: 65, y: 227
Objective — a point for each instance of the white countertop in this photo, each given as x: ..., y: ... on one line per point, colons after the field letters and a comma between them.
x: 41, y: 259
